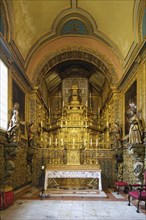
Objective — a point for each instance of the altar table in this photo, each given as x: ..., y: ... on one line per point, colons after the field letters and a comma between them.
x: 77, y: 172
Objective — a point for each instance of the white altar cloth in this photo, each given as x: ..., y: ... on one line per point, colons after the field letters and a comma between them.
x: 83, y: 173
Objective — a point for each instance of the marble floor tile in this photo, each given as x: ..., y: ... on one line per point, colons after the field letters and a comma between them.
x: 71, y: 210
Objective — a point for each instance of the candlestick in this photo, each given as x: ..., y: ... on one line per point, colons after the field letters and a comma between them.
x: 56, y: 141
x: 49, y: 113
x: 73, y: 141
x: 86, y: 124
x: 90, y: 100
x: 96, y: 142
x: 91, y: 142
x: 50, y: 141
x: 98, y: 110
x: 61, y: 142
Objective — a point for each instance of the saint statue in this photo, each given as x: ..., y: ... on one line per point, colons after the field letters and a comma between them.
x: 31, y: 133
x: 135, y: 129
x: 13, y: 131
x: 117, y: 135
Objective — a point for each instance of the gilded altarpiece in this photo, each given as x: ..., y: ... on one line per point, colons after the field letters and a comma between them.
x: 73, y: 136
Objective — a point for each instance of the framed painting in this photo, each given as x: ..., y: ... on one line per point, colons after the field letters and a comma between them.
x: 18, y: 96
x: 130, y: 95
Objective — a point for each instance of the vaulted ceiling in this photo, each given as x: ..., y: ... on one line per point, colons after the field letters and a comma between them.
x: 33, y: 18
x: 112, y: 33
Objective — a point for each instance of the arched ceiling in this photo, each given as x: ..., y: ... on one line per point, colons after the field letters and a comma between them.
x: 34, y: 18
x: 36, y: 22
x: 75, y: 68
x: 74, y: 61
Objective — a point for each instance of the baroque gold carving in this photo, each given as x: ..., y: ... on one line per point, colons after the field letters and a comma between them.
x: 74, y: 53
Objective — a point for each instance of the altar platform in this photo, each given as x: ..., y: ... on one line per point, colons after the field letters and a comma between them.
x: 87, y: 193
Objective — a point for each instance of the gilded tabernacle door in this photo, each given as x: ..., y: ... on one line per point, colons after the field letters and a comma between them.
x: 73, y: 157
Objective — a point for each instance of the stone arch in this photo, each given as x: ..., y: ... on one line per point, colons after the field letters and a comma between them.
x: 86, y: 19
x: 74, y: 53
x: 139, y: 13
x: 141, y: 21
x: 74, y: 13
x: 69, y: 17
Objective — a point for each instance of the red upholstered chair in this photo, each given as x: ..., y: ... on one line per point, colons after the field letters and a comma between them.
x: 139, y: 193
x: 120, y: 184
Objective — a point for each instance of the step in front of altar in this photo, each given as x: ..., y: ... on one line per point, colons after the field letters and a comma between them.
x: 76, y: 193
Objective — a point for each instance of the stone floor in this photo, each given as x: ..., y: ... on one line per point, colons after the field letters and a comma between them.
x: 28, y: 206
